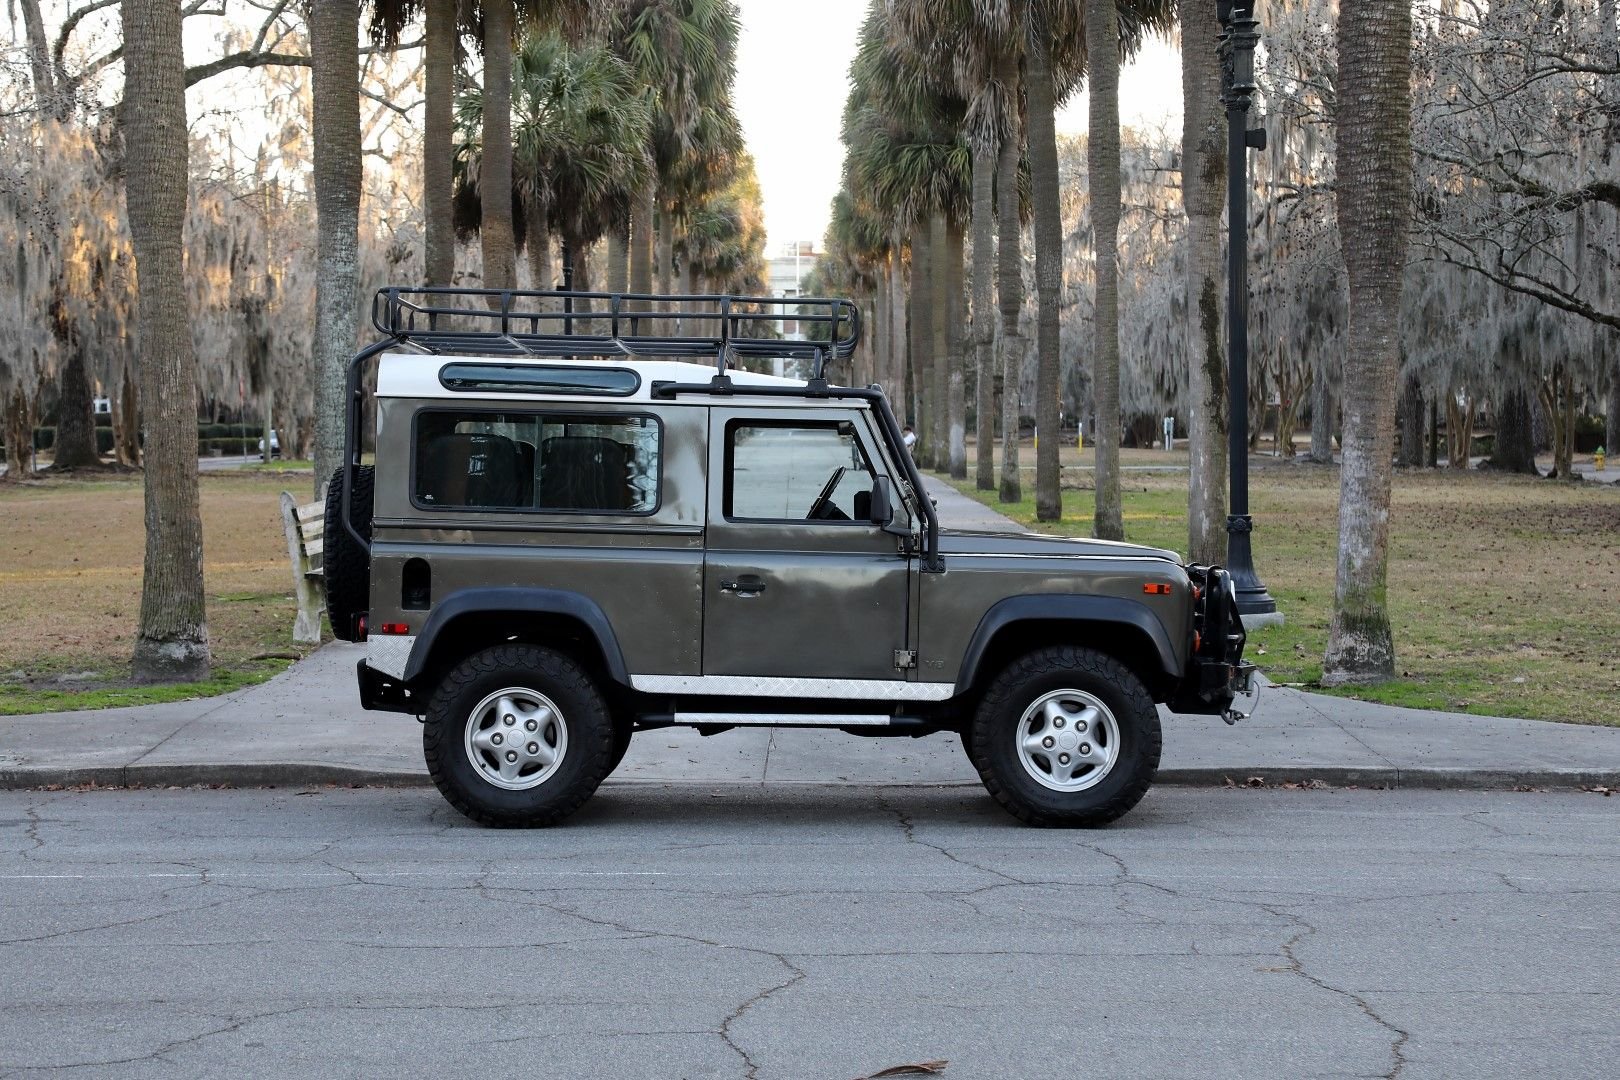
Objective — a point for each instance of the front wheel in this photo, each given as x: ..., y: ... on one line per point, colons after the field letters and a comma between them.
x: 517, y: 735
x: 1066, y: 736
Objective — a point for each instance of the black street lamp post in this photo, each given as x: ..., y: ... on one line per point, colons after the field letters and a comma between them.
x: 1239, y: 35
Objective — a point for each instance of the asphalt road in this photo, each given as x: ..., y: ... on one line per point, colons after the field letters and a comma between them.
x: 807, y: 931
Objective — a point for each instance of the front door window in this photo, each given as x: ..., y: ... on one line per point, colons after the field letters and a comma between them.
x: 796, y: 471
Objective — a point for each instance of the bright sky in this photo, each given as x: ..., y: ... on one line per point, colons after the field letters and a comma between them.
x: 792, y: 77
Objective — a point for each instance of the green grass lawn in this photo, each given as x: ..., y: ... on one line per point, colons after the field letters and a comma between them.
x: 1502, y: 590
x: 70, y: 571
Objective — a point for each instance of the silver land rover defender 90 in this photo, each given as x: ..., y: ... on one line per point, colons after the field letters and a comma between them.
x: 586, y: 520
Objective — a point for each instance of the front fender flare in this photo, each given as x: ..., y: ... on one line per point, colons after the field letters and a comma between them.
x: 510, y: 600
x: 1074, y: 607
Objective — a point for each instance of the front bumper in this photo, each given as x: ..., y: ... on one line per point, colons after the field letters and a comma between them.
x: 1216, y: 672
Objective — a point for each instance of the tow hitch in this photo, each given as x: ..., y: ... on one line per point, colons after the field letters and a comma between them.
x: 1243, y: 685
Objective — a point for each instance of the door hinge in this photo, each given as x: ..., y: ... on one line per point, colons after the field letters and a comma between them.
x: 904, y: 658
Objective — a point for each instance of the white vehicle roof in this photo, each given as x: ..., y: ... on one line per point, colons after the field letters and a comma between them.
x: 418, y: 375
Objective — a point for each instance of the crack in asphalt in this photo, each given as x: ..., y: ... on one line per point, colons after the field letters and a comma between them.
x: 1400, y: 1036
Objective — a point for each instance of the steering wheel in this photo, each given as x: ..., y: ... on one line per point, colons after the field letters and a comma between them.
x: 823, y: 509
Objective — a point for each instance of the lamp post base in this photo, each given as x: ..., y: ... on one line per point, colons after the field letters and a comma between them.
x: 1254, y: 603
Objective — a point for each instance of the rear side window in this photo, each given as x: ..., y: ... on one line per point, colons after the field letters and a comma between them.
x: 526, y: 461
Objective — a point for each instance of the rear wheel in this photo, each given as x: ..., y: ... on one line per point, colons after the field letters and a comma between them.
x: 1066, y: 736
x: 345, y: 564
x: 517, y: 735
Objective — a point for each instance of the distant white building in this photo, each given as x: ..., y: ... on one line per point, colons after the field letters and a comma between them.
x: 789, y: 268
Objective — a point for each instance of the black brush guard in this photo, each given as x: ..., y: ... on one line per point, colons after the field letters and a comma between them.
x: 1216, y: 671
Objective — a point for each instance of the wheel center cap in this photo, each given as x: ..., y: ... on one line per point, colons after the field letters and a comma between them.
x: 1067, y: 739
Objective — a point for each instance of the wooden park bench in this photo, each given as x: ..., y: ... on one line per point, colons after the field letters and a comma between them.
x: 306, y: 528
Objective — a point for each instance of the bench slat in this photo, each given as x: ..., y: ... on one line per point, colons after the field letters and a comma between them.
x: 314, y: 547
x: 311, y: 511
x: 312, y: 530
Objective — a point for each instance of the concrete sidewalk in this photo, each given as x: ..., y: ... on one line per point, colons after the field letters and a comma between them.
x: 306, y: 726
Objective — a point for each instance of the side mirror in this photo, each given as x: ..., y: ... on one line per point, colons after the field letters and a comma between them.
x: 882, y: 507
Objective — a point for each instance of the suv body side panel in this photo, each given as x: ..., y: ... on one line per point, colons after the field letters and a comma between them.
x: 642, y: 572
x: 982, y: 593
x: 833, y: 596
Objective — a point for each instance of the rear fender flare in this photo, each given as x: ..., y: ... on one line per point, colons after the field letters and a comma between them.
x: 518, y: 601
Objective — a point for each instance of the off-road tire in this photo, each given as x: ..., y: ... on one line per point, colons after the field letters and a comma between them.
x: 584, y: 763
x: 992, y: 737
x: 345, y: 565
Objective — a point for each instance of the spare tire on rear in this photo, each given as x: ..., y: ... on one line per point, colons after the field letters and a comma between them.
x: 345, y: 564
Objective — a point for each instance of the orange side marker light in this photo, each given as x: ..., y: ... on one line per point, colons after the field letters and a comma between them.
x: 1156, y: 588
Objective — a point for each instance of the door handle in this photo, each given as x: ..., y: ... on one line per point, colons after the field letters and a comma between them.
x: 745, y: 585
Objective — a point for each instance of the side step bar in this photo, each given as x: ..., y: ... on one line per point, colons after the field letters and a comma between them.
x: 711, y: 722
x: 761, y: 719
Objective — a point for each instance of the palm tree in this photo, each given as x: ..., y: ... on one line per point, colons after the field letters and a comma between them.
x: 172, y: 643
x: 1203, y: 180
x: 580, y: 145
x: 441, y: 33
x: 1042, y: 91
x: 443, y: 23
x: 335, y: 104
x: 724, y: 243
x: 1010, y: 275
x: 1102, y: 165
x: 1374, y: 213
x: 906, y: 156
x: 499, y: 243
x: 684, y: 53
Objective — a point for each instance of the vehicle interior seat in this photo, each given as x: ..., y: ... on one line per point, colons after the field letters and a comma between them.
x: 585, y: 472
x: 473, y: 470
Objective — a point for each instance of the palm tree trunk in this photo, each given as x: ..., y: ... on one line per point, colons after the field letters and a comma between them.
x: 923, y: 329
x: 984, y: 320
x: 438, y: 128
x: 618, y: 259
x: 1411, y: 421
x: 939, y: 258
x: 126, y: 434
x: 582, y: 273
x: 1609, y: 38
x: 666, y: 253
x: 956, y: 354
x: 1009, y: 282
x: 172, y: 642
x: 1102, y: 167
x: 878, y: 332
x: 1322, y: 409
x: 1203, y: 184
x: 895, y: 384
x: 1043, y: 180
x: 1374, y: 199
x: 643, y: 208
x: 495, y: 178
x: 335, y: 74
x: 538, y: 247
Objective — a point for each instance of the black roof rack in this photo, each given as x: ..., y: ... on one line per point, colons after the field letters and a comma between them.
x: 510, y: 322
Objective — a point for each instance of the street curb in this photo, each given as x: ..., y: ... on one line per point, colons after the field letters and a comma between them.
x: 296, y: 774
